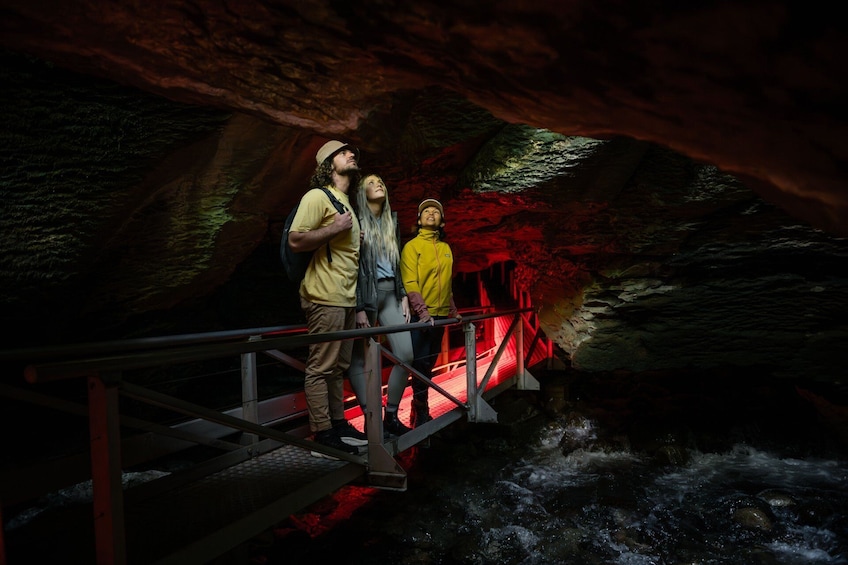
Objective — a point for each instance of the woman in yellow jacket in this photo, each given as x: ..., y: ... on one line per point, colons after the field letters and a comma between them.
x: 426, y: 268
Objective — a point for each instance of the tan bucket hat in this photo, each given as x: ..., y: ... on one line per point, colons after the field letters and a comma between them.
x: 330, y: 148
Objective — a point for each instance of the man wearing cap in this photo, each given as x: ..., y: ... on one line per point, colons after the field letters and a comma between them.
x: 426, y: 267
x: 328, y: 291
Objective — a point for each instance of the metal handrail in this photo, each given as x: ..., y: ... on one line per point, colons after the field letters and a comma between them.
x: 187, y: 348
x: 88, y: 349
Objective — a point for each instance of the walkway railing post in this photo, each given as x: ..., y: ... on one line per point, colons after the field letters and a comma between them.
x: 471, y: 369
x: 249, y: 395
x: 383, y: 471
x: 519, y: 350
x: 525, y: 381
x: 250, y: 392
x: 106, y: 473
x: 373, y: 391
x: 478, y: 409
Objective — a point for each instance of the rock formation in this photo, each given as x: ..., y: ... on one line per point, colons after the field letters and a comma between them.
x: 667, y: 180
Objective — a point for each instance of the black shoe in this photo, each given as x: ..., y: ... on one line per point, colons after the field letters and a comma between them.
x: 348, y: 434
x: 420, y: 414
x: 331, y: 439
x: 393, y: 425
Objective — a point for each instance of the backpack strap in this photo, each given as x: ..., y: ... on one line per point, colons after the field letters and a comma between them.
x: 340, y: 208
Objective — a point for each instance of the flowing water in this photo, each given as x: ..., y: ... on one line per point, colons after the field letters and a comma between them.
x: 746, y: 475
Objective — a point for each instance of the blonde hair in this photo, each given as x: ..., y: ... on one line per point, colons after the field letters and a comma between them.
x: 380, y: 236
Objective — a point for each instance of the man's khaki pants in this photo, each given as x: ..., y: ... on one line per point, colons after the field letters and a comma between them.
x: 327, y: 362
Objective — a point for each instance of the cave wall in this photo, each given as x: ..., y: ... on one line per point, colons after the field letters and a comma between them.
x: 668, y: 180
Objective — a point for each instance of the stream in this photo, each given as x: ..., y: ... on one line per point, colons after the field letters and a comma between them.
x: 657, y: 469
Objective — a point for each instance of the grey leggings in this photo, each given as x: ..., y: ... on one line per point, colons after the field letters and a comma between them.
x: 389, y: 314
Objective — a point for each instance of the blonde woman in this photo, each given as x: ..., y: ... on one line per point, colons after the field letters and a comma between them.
x: 380, y: 295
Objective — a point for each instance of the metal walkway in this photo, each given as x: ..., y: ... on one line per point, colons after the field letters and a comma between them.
x: 203, y: 512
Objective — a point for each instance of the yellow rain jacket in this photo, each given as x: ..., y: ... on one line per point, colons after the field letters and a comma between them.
x: 426, y: 268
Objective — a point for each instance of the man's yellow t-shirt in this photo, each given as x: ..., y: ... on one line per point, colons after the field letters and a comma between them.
x: 329, y: 283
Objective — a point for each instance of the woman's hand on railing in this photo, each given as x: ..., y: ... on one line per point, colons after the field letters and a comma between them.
x: 362, y: 320
x: 404, y: 308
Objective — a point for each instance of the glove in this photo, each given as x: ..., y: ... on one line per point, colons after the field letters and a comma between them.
x: 416, y: 302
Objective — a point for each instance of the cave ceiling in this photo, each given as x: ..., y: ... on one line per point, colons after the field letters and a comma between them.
x: 668, y: 178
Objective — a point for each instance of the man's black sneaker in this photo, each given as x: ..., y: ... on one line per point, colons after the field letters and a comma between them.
x: 348, y: 434
x: 331, y: 439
